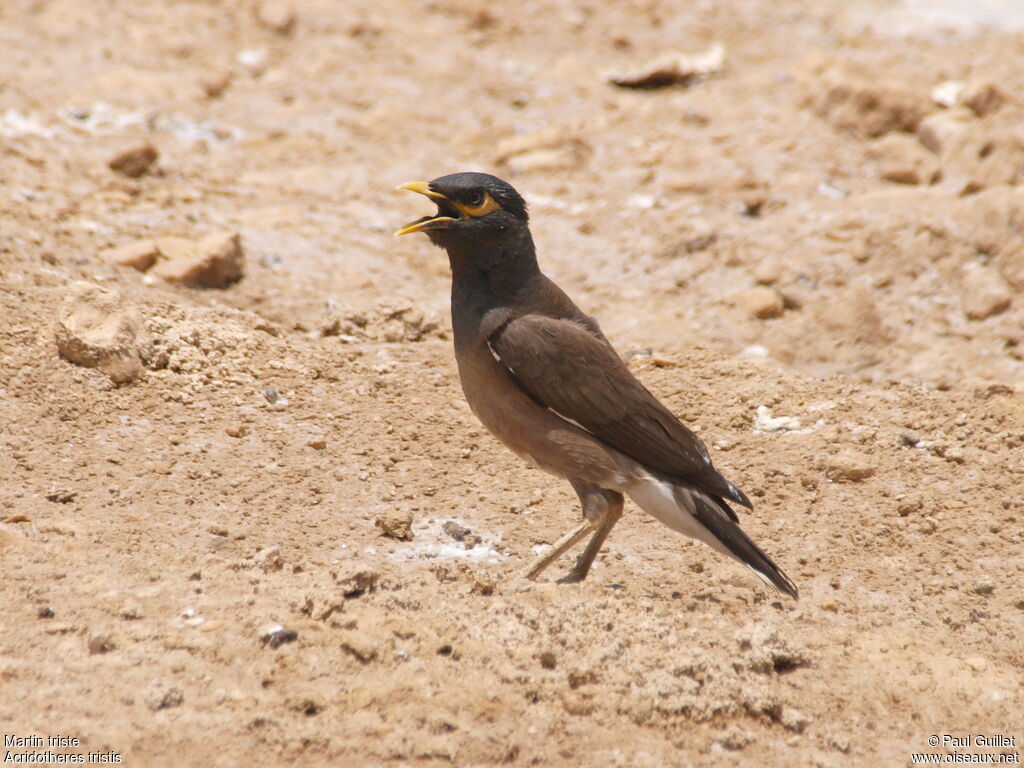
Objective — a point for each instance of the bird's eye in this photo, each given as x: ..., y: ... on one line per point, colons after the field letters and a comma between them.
x: 477, y: 204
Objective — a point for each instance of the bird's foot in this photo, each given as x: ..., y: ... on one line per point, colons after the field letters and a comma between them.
x: 575, y: 576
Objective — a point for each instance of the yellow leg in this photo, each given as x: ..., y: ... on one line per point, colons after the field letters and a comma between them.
x: 559, y: 547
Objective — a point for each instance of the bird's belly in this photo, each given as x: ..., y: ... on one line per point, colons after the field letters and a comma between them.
x: 536, y: 434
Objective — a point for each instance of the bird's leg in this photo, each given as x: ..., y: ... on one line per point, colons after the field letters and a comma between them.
x: 610, y: 515
x: 564, y: 543
x: 601, y: 511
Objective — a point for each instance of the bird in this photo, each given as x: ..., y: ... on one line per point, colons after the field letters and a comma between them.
x: 543, y: 378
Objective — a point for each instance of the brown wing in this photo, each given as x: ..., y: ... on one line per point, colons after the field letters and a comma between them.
x: 580, y: 377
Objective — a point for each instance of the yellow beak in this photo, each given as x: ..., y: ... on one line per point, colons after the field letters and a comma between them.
x: 422, y: 187
x: 426, y: 223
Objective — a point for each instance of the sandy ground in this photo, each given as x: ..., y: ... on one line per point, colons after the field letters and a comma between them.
x: 194, y: 567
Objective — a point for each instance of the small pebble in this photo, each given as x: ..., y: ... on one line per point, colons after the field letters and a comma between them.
x: 101, y: 644
x: 456, y: 531
x: 396, y: 523
x: 269, y: 559
x: 760, y: 302
x: 254, y: 60
x: 984, y: 587
x: 277, y: 635
x: 794, y: 720
x: 276, y: 16
x: 135, y: 161
x: 160, y: 696
x: 735, y: 738
x: 484, y: 585
x: 849, y: 466
x: 908, y: 438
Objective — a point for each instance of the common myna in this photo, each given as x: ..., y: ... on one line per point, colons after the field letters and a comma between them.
x: 543, y: 378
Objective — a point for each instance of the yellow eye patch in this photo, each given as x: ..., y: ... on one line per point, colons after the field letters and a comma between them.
x: 476, y: 211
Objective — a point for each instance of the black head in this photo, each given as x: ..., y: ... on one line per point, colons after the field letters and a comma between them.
x: 470, y: 207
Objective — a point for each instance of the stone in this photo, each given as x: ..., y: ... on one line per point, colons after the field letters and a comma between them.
x: 96, y: 329
x: 735, y: 738
x: 215, y: 261
x: 794, y: 720
x: 456, y: 531
x: 849, y: 466
x: 673, y: 68
x: 215, y: 83
x: 947, y: 93
x: 942, y: 131
x: 989, y: 220
x: 140, y: 255
x: 985, y: 293
x: 396, y: 524
x: 269, y: 559
x: 169, y: 248
x: 484, y: 585
x: 984, y: 587
x: 276, y: 16
x: 254, y: 60
x: 134, y: 161
x: 276, y: 635
x: 983, y: 97
x: 990, y: 162
x: 101, y: 644
x: 357, y: 583
x: 769, y: 270
x: 760, y: 302
x: 902, y: 159
x: 160, y: 696
x: 976, y: 663
x: 1011, y: 263
x: 866, y: 108
x: 972, y: 158
x: 765, y: 422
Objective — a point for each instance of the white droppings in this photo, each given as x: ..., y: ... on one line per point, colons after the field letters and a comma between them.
x: 765, y: 422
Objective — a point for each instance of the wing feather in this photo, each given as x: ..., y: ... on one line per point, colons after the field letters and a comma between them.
x: 565, y: 367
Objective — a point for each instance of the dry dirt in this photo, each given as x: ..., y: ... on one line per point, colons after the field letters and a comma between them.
x: 806, y: 230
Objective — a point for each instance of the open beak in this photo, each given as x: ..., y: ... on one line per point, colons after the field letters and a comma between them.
x: 447, y: 212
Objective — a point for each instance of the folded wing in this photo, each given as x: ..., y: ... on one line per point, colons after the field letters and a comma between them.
x: 565, y: 367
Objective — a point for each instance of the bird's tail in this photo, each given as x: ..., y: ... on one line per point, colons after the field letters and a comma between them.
x: 709, y: 519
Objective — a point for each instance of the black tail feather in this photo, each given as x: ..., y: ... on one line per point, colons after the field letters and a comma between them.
x: 715, y: 515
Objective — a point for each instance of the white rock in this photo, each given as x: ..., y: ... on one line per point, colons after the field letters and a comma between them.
x: 765, y: 422
x: 947, y: 94
x: 96, y: 329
